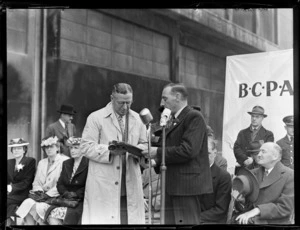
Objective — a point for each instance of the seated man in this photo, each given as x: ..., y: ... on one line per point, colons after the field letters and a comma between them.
x: 214, y: 206
x: 219, y: 159
x: 275, y: 202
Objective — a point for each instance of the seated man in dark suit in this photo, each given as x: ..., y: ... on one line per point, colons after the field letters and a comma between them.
x: 214, y: 206
x: 219, y: 159
x: 275, y: 202
x: 63, y: 128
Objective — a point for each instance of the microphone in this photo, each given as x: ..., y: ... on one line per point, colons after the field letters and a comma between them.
x: 146, y: 116
x: 165, y: 116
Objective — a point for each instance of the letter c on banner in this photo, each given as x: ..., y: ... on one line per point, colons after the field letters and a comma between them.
x: 254, y: 89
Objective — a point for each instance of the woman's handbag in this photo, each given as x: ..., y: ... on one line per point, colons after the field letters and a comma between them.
x: 63, y: 202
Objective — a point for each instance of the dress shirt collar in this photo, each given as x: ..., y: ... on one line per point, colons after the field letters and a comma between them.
x: 269, y: 170
x: 289, y: 137
x: 178, y: 112
x: 255, y: 129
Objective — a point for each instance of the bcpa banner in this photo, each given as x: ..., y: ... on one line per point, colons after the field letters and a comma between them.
x: 264, y: 79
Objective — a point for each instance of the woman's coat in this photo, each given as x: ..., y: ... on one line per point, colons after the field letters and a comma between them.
x: 103, y: 186
x: 20, y: 180
x: 43, y: 181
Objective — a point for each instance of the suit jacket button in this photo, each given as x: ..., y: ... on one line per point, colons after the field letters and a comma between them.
x: 116, y: 183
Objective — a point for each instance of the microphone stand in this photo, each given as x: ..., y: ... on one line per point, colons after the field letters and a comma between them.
x: 163, y: 169
x: 150, y: 177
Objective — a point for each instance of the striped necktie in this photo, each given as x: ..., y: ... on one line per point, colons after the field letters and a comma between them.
x: 122, y: 125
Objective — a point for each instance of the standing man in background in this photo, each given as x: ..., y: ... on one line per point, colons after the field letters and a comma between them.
x: 255, y: 132
x: 188, y: 174
x: 63, y: 128
x: 287, y: 142
x: 113, y: 192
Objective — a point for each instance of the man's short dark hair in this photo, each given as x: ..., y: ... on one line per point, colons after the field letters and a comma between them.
x: 178, y: 88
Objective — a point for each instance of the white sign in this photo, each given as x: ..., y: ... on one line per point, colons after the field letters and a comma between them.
x: 264, y: 79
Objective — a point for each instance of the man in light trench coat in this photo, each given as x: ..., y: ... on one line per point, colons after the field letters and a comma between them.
x: 114, y: 192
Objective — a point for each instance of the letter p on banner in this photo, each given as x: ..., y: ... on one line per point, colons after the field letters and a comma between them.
x: 264, y: 79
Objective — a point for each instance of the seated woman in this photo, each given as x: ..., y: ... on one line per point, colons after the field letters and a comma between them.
x: 48, y: 172
x: 71, y: 184
x: 20, y: 175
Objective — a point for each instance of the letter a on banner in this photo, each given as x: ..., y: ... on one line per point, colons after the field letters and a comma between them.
x: 264, y: 79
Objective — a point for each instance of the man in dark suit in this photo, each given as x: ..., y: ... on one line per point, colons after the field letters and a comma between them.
x: 255, y: 132
x: 287, y: 142
x: 214, y: 206
x: 188, y: 174
x: 275, y: 202
x: 63, y: 128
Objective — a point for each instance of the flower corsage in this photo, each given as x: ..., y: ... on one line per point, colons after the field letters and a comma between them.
x: 19, y: 167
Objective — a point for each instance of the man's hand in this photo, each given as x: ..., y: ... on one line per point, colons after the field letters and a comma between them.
x: 151, y: 154
x: 244, y: 218
x: 145, y: 162
x: 249, y: 161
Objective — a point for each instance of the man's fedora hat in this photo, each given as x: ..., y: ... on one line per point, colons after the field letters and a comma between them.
x: 17, y: 142
x: 288, y: 120
x: 67, y: 109
x: 254, y: 147
x: 258, y: 110
x: 246, y: 183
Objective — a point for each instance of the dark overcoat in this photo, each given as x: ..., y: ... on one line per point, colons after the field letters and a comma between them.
x: 21, y: 182
x: 242, y: 143
x: 214, y: 206
x: 276, y: 195
x: 77, y: 185
x: 287, y: 151
x: 186, y: 156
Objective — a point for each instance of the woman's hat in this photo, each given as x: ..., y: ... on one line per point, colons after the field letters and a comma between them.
x: 48, y: 141
x: 258, y: 110
x: 246, y: 183
x: 67, y: 109
x: 73, y: 141
x: 16, y: 142
x: 254, y: 147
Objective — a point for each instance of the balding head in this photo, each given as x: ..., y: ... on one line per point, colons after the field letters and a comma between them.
x: 269, y: 155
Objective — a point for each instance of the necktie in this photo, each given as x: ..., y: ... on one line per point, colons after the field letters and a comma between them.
x: 122, y: 126
x: 266, y: 173
x: 123, y: 157
x: 292, y: 139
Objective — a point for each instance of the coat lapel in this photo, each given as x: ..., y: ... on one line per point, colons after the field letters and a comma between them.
x: 61, y: 128
x: 286, y: 140
x: 11, y: 168
x: 274, y: 176
x: 69, y: 168
x: 82, y: 166
x: 248, y: 135
x: 180, y: 118
x: 260, y: 135
x: 131, y: 122
x: 54, y: 165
